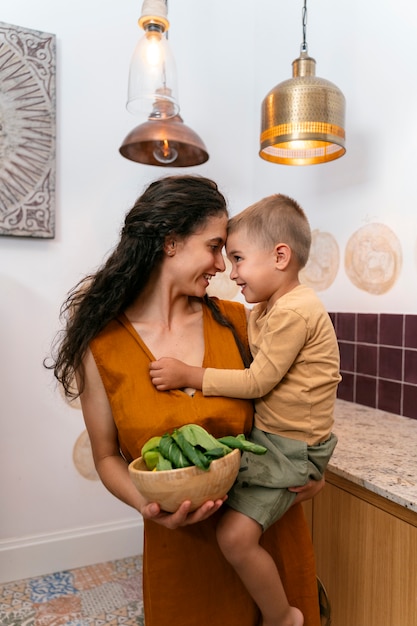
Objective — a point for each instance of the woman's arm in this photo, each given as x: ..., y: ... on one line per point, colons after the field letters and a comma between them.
x: 112, y: 467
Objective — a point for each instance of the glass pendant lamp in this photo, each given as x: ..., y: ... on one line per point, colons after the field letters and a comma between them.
x: 163, y: 139
x: 152, y: 70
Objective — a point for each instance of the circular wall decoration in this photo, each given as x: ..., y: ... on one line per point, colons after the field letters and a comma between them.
x: 373, y: 258
x: 27, y: 132
x: 221, y: 285
x: 323, y: 262
x: 83, y: 457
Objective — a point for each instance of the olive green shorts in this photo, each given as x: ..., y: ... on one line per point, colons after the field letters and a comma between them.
x: 261, y: 488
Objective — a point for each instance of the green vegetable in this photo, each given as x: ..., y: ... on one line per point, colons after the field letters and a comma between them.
x: 163, y: 464
x: 198, y: 436
x: 196, y: 456
x: 192, y: 445
x: 151, y: 444
x: 151, y: 458
x: 242, y: 443
x: 173, y: 452
x: 215, y: 453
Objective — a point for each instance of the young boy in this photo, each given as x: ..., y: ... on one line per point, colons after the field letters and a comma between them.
x: 293, y: 378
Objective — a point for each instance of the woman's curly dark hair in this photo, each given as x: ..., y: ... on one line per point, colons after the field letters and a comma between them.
x: 173, y: 205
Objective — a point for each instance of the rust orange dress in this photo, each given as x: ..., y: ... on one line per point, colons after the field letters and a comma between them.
x: 186, y: 580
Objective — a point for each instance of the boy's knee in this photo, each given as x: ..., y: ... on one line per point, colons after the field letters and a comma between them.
x: 236, y: 534
x: 229, y: 538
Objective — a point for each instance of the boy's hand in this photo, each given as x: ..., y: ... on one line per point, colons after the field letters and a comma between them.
x: 168, y: 373
x: 308, y: 491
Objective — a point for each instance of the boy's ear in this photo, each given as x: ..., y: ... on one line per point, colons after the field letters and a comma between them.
x: 283, y: 255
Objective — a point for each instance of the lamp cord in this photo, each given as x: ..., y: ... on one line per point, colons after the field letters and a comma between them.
x: 155, y: 7
x: 304, y: 47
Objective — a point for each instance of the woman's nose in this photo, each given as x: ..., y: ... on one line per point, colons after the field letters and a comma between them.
x: 220, y: 263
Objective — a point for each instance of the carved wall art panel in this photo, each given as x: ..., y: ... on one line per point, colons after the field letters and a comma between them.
x: 27, y: 132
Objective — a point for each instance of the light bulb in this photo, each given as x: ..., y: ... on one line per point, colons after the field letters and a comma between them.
x: 152, y: 75
x: 152, y: 49
x: 166, y: 152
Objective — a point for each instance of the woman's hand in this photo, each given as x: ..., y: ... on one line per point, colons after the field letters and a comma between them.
x: 308, y: 491
x: 181, y: 517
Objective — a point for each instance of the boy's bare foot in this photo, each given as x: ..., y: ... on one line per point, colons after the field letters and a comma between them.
x: 294, y: 617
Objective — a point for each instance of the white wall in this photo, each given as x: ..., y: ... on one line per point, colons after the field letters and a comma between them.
x: 229, y: 55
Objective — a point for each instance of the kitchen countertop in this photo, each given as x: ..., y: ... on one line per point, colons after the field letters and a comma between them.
x: 376, y: 450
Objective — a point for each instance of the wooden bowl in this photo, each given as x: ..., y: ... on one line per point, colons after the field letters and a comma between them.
x: 170, y: 488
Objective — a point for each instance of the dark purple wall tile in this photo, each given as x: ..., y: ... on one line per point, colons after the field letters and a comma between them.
x: 367, y: 328
x: 391, y: 329
x: 366, y: 391
x: 389, y: 396
x: 410, y: 366
x: 347, y: 356
x: 410, y: 334
x: 390, y: 363
x: 410, y: 401
x: 366, y: 359
x: 345, y: 326
x: 345, y: 390
x: 378, y: 370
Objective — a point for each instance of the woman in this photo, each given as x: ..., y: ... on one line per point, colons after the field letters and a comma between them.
x: 149, y: 300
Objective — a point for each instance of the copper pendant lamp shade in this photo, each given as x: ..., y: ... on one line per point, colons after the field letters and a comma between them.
x: 303, y: 118
x: 167, y: 143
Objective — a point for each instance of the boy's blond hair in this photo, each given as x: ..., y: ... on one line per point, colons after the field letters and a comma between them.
x: 276, y: 219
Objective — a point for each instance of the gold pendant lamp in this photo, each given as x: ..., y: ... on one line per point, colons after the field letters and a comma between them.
x: 303, y: 118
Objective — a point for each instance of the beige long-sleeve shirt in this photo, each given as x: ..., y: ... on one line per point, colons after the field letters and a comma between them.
x: 295, y: 369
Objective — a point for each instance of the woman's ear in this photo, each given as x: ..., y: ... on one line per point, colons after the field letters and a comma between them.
x: 170, y: 246
x: 282, y: 255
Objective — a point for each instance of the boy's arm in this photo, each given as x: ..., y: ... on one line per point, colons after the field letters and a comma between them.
x: 281, y: 342
x: 275, y: 355
x: 168, y: 373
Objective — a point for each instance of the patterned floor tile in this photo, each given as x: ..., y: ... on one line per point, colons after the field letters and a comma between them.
x: 20, y: 617
x: 58, y: 611
x: 125, y: 568
x: 93, y: 575
x: 132, y: 588
x: 45, y: 588
x: 105, y: 598
x: 106, y: 594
